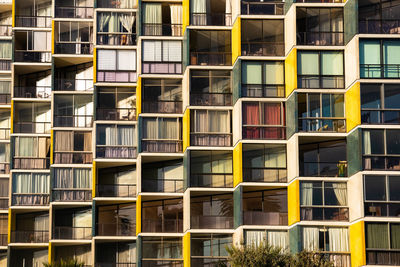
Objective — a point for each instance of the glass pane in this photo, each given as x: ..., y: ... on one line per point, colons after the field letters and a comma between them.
x: 391, y: 52
x: 393, y: 141
x: 308, y: 63
x: 251, y: 73
x: 375, y: 187
x: 370, y: 52
x: 314, y: 105
x: 394, y: 188
x: 373, y: 142
x: 332, y: 63
x: 392, y: 96
x: 377, y: 235
x: 274, y: 73
x: 371, y: 96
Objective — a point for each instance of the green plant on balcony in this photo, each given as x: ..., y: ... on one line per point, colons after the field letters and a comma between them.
x: 73, y: 262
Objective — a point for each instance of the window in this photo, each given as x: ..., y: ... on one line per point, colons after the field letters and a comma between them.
x: 72, y: 147
x: 167, y: 249
x: 323, y: 201
x: 207, y: 248
x: 382, y: 243
x: 116, y: 220
x: 274, y: 238
x: 168, y: 211
x: 116, y: 66
x: 263, y: 79
x: 116, y: 253
x: 323, y: 69
x: 74, y: 9
x: 73, y: 110
x: 73, y: 37
x: 162, y: 57
x: 162, y: 19
x: 378, y: 17
x: 321, y: 112
x: 165, y: 131
x: 326, y: 239
x: 117, y: 181
x: 70, y: 178
x: 74, y: 78
x: 31, y: 153
x: 203, y: 14
x: 162, y: 96
x: 166, y: 176
x: 381, y: 195
x: 116, y: 28
x: 31, y: 183
x: 32, y: 117
x: 72, y: 223
x: 116, y: 103
x: 122, y: 4
x: 379, y: 58
x: 116, y: 141
x: 380, y: 103
x: 5, y: 49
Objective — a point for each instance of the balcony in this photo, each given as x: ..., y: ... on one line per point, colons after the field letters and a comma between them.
x: 162, y: 146
x: 211, y: 19
x: 319, y: 81
x: 211, y: 222
x: 383, y: 257
x: 381, y: 209
x: 76, y: 233
x: 211, y: 99
x: 322, y: 125
x: 77, y: 12
x: 161, y: 68
x: 211, y: 180
x: 264, y: 218
x: 380, y: 71
x: 73, y: 84
x: 33, y: 236
x: 162, y: 106
x: 5, y: 99
x: 80, y: 157
x: 32, y: 91
x: 67, y: 195
x: 378, y: 162
x: 116, y: 114
x: 4, y: 168
x: 116, y: 152
x: 263, y: 90
x: 84, y: 121
x: 263, y: 49
x: 162, y: 185
x: 270, y: 7
x: 122, y: 38
x: 116, y: 229
x: 4, y: 203
x: 162, y: 226
x: 338, y: 259
x: 324, y: 214
x: 73, y: 48
x: 331, y: 169
x: 32, y: 56
x: 116, y: 76
x: 25, y: 163
x: 116, y: 190
x: 32, y: 127
x: 379, y: 26
x: 211, y: 58
x: 33, y: 21
x: 264, y: 132
x: 266, y: 175
x: 320, y: 38
x: 5, y: 64
x: 162, y: 29
x: 29, y: 199
x: 205, y: 139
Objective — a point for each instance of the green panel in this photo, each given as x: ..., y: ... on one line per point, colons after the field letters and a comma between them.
x: 94, y: 218
x: 51, y: 183
x: 236, y: 81
x: 94, y: 102
x: 139, y: 20
x: 295, y: 239
x: 354, y: 163
x: 185, y: 50
x: 8, y: 256
x: 237, y: 207
x: 12, y: 142
x: 139, y: 133
x: 350, y: 14
x: 186, y: 169
x: 287, y: 5
x: 139, y: 251
x: 291, y: 115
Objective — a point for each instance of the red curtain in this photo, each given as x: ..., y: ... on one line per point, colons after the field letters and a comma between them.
x: 251, y: 114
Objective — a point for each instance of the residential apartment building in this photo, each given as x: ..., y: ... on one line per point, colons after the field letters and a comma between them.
x: 158, y: 132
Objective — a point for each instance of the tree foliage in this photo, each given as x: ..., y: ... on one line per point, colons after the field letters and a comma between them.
x: 65, y: 263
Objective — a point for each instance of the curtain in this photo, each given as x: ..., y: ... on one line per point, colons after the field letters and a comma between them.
x: 332, y: 63
x: 103, y: 21
x: 176, y: 19
x: 5, y: 49
x: 64, y: 141
x: 3, y: 188
x: 150, y: 128
x: 41, y: 223
x: 272, y: 114
x: 395, y: 236
x: 82, y: 221
x: 127, y: 253
x: 168, y: 129
x: 310, y: 238
x: 219, y: 121
x: 306, y: 195
x: 172, y: 51
x: 152, y: 17
x: 107, y: 60
x: 127, y: 22
x: 338, y: 240
x: 308, y: 63
x: 367, y: 149
x: 273, y: 73
x: 201, y: 121
x: 340, y: 190
x: 152, y: 51
x: 278, y: 239
x: 251, y: 114
x: 228, y: 12
x: 111, y: 136
x: 255, y: 238
x: 377, y: 235
x: 62, y: 178
x: 126, y: 60
x: 275, y: 158
x: 126, y: 136
x: 36, y: 183
x: 199, y: 12
x: 128, y: 4
x: 25, y: 146
x: 251, y: 73
x: 391, y: 55
x: 82, y: 178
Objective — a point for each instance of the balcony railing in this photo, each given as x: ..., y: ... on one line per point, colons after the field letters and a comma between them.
x: 157, y: 29
x: 32, y: 127
x: 31, y: 163
x: 116, y: 114
x: 211, y: 180
x: 320, y: 38
x: 32, y: 91
x: 377, y: 26
x: 115, y: 264
x: 383, y: 257
x: 265, y: 218
x: 67, y: 232
x: 211, y: 58
x: 317, y: 82
x: 116, y: 190
x: 211, y: 99
x: 32, y: 56
x: 263, y: 49
x: 3, y: 203
x: 262, y: 8
x: 116, y: 4
x: 381, y: 162
x: 5, y: 30
x: 73, y: 48
x: 73, y: 84
x: 33, y: 236
x: 74, y: 12
x: 3, y: 240
x: 380, y: 71
x: 161, y: 146
x: 162, y: 185
x: 116, y: 76
x: 4, y: 133
x: 324, y: 214
x: 5, y: 99
x: 205, y: 139
x: 263, y: 90
x: 33, y: 21
x: 382, y: 116
x: 381, y: 209
x: 318, y: 169
x: 211, y: 222
x: 338, y: 259
x: 162, y: 225
x: 211, y: 19
x: 120, y: 38
x: 117, y: 152
x: 161, y: 262
x: 80, y: 157
x: 161, y: 67
x: 5, y: 64
x: 264, y: 132
x: 116, y: 229
x: 73, y: 121
x: 73, y: 194
x: 30, y: 199
x: 322, y: 125
x: 266, y: 175
x: 162, y: 106
x: 4, y: 168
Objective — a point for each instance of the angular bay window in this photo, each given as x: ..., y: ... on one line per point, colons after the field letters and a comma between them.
x: 263, y: 37
x: 381, y: 198
x: 116, y: 220
x: 116, y: 28
x: 72, y: 223
x: 82, y: 9
x: 320, y: 26
x: 320, y: 69
x: 162, y: 57
x: 31, y: 152
x: 210, y: 127
x: 209, y: 249
x: 74, y: 78
x: 264, y: 163
x: 73, y: 110
x: 72, y: 147
x: 382, y: 243
x: 263, y: 79
x: 321, y: 112
x: 30, y: 189
x: 211, y: 169
x: 162, y: 135
x: 31, y: 228
x: 116, y: 254
x: 116, y: 66
x: 264, y: 120
x: 381, y: 149
x: 116, y: 181
x: 72, y: 184
x: 5, y: 55
x: 268, y: 207
x: 162, y: 251
x: 162, y: 19
x: 379, y: 17
x: 33, y: 14
x: 323, y: 201
x: 210, y: 88
x: 210, y: 13
x: 33, y: 85
x: 117, y: 103
x: 273, y: 238
x: 162, y: 96
x: 379, y: 58
x: 73, y: 37
x: 116, y: 141
x: 32, y: 46
x: 32, y: 117
x: 162, y: 216
x: 210, y: 48
x: 165, y: 176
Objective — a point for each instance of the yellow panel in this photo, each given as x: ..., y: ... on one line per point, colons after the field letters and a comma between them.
x: 10, y: 225
x: 357, y: 244
x: 94, y: 172
x: 186, y: 129
x: 186, y: 250
x: 293, y: 202
x: 138, y: 214
x: 52, y: 37
x: 13, y: 13
x: 51, y: 147
x: 185, y: 14
x: 12, y: 117
x: 94, y: 65
x: 291, y: 72
x: 236, y: 40
x: 49, y: 255
x: 138, y: 97
x: 237, y: 165
x: 353, y: 107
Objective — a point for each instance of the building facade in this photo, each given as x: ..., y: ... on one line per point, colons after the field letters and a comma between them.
x: 158, y: 132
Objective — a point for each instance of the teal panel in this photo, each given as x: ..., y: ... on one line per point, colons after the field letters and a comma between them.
x: 291, y: 115
x: 139, y: 20
x: 287, y: 5
x: 94, y: 218
x: 237, y: 207
x: 139, y: 251
x: 139, y: 133
x: 350, y: 17
x: 186, y: 169
x: 236, y: 81
x: 295, y: 239
x: 354, y: 163
x: 185, y: 50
